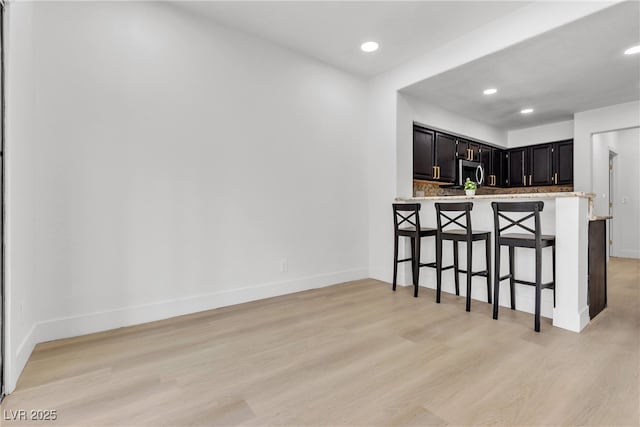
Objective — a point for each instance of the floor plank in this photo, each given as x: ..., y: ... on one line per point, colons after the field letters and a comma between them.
x: 350, y: 354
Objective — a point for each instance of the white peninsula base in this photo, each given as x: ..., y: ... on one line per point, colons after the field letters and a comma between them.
x: 565, y: 214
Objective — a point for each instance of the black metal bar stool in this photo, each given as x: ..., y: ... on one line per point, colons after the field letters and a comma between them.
x: 406, y: 220
x: 532, y: 239
x: 464, y: 234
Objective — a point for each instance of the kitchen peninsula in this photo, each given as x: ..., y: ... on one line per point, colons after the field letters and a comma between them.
x: 565, y: 214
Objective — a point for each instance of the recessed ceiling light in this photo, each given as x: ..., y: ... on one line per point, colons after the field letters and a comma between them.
x: 632, y: 50
x: 526, y: 111
x: 490, y: 91
x: 369, y: 47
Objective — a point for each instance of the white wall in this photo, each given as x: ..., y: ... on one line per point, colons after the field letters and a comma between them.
x: 387, y: 171
x: 540, y: 134
x: 22, y: 189
x: 625, y: 227
x: 587, y: 123
x: 600, y: 172
x: 161, y: 165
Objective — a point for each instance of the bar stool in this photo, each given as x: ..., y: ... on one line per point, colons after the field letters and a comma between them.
x: 532, y: 239
x: 408, y: 213
x: 465, y: 234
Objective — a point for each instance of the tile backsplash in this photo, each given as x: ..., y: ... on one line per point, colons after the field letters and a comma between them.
x: 433, y: 189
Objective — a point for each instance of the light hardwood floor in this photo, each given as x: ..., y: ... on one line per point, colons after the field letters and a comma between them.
x: 350, y: 354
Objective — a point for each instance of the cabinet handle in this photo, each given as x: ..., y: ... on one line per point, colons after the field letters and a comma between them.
x: 438, y: 172
x: 525, y: 179
x: 530, y: 179
x: 555, y: 176
x: 435, y: 175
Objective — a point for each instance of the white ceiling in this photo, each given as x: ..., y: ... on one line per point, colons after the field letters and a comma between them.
x: 332, y: 31
x: 577, y: 67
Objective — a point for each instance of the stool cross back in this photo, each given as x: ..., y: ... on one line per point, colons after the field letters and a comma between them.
x: 406, y: 220
x: 532, y: 238
x: 452, y: 214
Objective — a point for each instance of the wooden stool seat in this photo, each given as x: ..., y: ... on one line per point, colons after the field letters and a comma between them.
x: 410, y: 232
x: 524, y: 240
x: 461, y: 235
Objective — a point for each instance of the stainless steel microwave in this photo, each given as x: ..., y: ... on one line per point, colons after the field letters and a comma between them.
x: 472, y: 170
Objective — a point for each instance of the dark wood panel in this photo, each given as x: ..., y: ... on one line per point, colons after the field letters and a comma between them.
x: 540, y: 164
x: 423, y: 150
x: 474, y: 149
x: 517, y: 172
x: 461, y: 148
x: 445, y: 157
x: 563, y: 162
x: 597, y: 267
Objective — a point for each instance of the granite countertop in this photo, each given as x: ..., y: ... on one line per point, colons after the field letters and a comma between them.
x: 501, y: 196
x: 600, y: 217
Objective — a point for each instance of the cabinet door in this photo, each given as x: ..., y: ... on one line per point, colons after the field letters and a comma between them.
x: 485, y: 160
x: 445, y: 157
x: 504, y: 169
x: 539, y: 166
x: 496, y: 162
x: 563, y: 162
x: 474, y: 151
x: 517, y: 172
x: 461, y: 149
x: 423, y: 141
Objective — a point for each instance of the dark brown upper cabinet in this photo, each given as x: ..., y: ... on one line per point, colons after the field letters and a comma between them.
x: 474, y: 151
x: 504, y: 168
x: 436, y: 155
x: 468, y: 150
x: 563, y: 162
x: 542, y: 164
x: 517, y: 171
x: 445, y: 157
x: 490, y: 160
x: 539, y: 165
x: 423, y: 150
x: 462, y: 149
x: 486, y: 162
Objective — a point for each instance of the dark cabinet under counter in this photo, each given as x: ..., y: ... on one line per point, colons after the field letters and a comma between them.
x: 597, y: 267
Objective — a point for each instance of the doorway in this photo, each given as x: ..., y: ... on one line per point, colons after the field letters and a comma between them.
x: 612, y: 156
x: 615, y: 177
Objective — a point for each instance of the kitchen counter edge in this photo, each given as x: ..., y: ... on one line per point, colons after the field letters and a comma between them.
x: 500, y: 196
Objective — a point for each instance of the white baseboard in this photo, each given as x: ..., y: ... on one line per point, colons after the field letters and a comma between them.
x: 12, y: 373
x: 625, y: 254
x: 575, y: 322
x: 72, y: 326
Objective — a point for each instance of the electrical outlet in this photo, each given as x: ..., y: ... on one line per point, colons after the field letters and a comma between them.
x: 284, y: 265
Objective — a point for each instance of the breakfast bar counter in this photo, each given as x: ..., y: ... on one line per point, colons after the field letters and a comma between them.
x: 565, y: 214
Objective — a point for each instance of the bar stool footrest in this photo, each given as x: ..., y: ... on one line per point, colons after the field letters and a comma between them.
x: 549, y: 285
x: 428, y: 264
